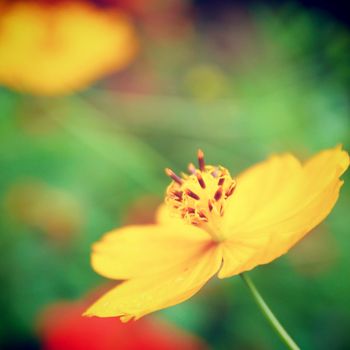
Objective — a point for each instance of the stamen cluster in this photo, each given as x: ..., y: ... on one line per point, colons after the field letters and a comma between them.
x: 200, y: 196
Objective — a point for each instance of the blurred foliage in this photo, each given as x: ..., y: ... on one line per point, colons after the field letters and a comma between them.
x: 249, y: 83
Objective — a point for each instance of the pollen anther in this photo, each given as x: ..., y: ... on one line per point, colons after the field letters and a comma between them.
x: 192, y: 194
x: 201, y: 162
x: 230, y: 191
x: 200, y: 180
x: 218, y: 194
x: 191, y: 168
x: 202, y: 216
x: 221, y: 181
x: 175, y: 177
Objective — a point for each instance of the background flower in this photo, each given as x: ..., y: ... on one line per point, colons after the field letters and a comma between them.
x: 65, y: 46
x: 61, y: 326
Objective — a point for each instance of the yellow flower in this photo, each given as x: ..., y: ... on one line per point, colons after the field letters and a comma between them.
x: 49, y: 49
x: 212, y: 224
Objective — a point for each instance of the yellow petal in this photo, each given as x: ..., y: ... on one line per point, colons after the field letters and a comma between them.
x: 140, y: 296
x: 165, y: 217
x: 325, y: 166
x: 298, y: 205
x: 135, y: 251
x: 258, y: 185
x: 241, y: 254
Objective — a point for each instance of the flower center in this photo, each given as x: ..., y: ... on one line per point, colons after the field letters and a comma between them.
x: 200, y: 197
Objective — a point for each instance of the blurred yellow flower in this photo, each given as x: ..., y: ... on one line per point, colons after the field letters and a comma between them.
x: 50, y: 49
x: 216, y: 225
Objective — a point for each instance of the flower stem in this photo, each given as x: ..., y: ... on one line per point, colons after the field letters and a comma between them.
x: 268, y: 314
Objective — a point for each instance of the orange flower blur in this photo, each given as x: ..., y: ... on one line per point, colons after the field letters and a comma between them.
x: 50, y: 49
x: 214, y: 224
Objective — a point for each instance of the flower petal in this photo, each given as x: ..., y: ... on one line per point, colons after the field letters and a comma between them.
x: 257, y: 186
x: 241, y: 255
x: 136, y: 251
x: 296, y: 208
x: 140, y: 296
x: 165, y: 217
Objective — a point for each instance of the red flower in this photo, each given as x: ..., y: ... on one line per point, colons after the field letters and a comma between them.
x: 61, y: 327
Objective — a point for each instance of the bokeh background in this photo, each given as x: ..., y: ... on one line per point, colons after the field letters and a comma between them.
x: 98, y: 97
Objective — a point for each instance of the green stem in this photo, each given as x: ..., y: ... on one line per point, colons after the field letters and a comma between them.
x: 268, y: 314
